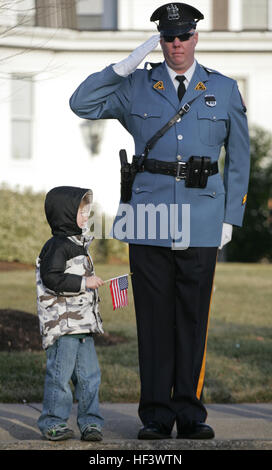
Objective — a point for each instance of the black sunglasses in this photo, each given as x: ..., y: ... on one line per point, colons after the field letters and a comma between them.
x: 181, y: 37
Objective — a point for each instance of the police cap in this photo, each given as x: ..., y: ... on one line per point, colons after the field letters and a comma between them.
x: 176, y: 18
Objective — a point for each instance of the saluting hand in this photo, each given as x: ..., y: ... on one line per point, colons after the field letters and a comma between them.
x: 129, y: 65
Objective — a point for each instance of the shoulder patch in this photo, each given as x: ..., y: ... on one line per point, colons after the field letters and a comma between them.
x: 243, y: 103
x: 244, y: 200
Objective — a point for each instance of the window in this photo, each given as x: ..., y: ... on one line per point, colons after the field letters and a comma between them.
x: 101, y: 14
x: 89, y: 14
x: 255, y: 14
x: 21, y: 116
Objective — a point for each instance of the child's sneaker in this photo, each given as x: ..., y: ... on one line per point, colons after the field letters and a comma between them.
x: 59, y: 432
x: 92, y: 432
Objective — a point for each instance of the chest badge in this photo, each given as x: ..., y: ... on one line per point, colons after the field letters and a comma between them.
x: 200, y: 86
x: 159, y: 85
x: 210, y: 100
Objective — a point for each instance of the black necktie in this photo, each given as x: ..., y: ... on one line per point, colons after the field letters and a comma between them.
x: 181, y: 88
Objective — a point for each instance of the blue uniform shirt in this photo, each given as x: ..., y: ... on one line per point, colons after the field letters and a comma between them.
x: 143, y: 102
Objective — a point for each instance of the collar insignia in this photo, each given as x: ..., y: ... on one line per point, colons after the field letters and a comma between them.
x: 244, y: 199
x: 159, y: 85
x: 200, y: 86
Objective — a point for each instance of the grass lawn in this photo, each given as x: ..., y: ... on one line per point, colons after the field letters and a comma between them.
x: 239, y: 366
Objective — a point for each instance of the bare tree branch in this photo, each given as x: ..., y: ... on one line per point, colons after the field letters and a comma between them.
x: 55, y: 14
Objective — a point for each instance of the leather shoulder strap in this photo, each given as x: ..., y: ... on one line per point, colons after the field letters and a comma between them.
x: 152, y: 141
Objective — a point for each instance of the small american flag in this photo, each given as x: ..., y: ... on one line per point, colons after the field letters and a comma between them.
x: 118, y: 288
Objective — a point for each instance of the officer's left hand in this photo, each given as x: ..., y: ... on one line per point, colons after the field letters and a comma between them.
x: 226, y: 235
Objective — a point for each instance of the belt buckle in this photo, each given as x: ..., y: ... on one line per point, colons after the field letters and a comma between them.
x: 181, y: 171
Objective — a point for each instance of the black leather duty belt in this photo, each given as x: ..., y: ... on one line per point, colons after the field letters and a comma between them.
x: 195, y: 172
x: 177, y: 169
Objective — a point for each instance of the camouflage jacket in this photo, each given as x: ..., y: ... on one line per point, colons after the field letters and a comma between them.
x: 65, y: 312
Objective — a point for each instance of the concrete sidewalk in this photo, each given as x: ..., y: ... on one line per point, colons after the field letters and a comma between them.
x: 239, y: 426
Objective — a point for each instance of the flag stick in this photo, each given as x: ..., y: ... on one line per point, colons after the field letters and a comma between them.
x: 108, y: 280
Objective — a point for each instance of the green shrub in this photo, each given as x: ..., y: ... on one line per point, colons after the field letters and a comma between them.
x: 23, y: 225
x: 24, y: 230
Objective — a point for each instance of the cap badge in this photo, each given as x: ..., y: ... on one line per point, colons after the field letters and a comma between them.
x: 200, y: 86
x: 159, y: 85
x: 173, y: 12
x: 210, y: 100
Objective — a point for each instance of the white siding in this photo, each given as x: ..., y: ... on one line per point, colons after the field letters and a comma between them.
x: 135, y: 14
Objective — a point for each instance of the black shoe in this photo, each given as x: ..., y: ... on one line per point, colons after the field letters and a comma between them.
x: 153, y: 431
x: 196, y: 431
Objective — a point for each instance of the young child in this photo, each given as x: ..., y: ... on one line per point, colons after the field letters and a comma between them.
x: 67, y: 299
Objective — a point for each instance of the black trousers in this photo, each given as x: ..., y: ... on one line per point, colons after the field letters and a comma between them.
x: 172, y: 292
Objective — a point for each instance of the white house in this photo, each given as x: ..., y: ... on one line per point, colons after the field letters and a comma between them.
x: 43, y: 144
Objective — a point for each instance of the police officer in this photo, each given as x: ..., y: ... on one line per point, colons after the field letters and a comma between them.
x: 172, y: 287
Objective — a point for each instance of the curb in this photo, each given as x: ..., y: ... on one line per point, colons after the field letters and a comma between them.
x: 237, y: 427
x: 131, y: 444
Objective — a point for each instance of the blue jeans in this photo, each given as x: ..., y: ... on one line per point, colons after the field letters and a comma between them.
x: 70, y: 358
